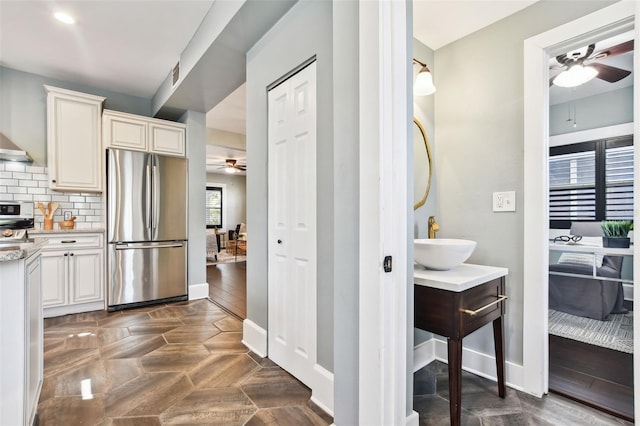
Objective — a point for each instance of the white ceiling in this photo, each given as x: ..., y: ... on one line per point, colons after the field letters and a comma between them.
x: 437, y: 23
x: 230, y: 114
x: 127, y: 47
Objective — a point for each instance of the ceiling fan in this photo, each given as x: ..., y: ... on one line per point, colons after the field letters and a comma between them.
x: 232, y: 167
x: 578, y: 68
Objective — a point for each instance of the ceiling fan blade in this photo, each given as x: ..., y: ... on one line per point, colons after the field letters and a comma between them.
x: 618, y: 49
x: 243, y: 168
x: 609, y: 73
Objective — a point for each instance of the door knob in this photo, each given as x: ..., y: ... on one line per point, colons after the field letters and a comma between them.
x: 279, y: 241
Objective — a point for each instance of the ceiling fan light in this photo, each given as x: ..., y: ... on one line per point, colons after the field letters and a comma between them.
x: 423, y: 85
x: 230, y: 169
x: 575, y: 76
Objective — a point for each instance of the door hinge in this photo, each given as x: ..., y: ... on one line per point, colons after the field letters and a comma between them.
x: 388, y: 263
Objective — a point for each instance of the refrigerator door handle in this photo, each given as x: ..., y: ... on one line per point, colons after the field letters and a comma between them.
x: 155, y: 194
x: 147, y: 246
x: 148, y: 196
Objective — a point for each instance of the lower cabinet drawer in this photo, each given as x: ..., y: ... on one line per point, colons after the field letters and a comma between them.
x: 73, y: 241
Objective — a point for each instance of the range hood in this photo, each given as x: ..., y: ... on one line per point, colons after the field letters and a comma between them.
x: 9, y: 151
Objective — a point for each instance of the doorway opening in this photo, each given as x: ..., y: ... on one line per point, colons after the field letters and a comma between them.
x: 540, y: 360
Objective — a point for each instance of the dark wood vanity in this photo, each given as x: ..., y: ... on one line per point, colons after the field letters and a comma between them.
x: 454, y: 304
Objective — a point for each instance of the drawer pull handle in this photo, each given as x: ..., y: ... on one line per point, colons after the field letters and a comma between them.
x: 500, y: 298
x: 68, y: 241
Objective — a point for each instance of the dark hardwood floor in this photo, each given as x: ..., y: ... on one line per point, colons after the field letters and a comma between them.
x: 593, y: 375
x: 228, y: 286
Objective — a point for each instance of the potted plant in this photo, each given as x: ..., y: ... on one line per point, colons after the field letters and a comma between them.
x: 616, y: 233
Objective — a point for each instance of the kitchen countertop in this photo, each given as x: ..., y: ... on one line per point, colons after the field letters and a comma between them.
x: 10, y: 252
x: 66, y: 231
x: 458, y: 279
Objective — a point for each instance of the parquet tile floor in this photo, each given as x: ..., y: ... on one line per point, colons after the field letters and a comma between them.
x: 169, y: 364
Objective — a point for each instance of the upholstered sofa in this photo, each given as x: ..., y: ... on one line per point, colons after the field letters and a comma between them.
x: 587, y: 297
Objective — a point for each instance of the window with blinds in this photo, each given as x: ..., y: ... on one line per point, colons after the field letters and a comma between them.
x: 213, y: 206
x: 591, y: 181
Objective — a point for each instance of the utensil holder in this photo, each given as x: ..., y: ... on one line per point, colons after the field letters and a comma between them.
x: 48, y: 224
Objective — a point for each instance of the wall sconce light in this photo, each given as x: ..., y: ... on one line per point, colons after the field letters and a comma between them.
x: 423, y: 85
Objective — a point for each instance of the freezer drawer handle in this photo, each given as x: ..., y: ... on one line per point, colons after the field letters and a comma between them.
x: 127, y: 247
x: 68, y: 241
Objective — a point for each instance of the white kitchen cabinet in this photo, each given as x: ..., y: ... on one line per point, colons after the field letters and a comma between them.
x: 21, y: 345
x: 54, y: 265
x: 74, y: 151
x: 120, y: 130
x: 134, y: 132
x: 73, y: 271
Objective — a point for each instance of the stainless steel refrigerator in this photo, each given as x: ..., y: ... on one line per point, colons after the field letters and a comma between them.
x: 146, y: 228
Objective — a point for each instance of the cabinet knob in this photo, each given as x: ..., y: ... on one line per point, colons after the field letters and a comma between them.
x: 53, y: 180
x: 279, y: 241
x: 71, y: 254
x: 66, y: 254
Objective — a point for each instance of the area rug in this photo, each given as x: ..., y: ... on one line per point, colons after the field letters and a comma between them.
x: 226, y: 257
x: 617, y: 333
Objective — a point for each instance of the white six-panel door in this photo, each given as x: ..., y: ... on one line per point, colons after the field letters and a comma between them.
x: 292, y: 224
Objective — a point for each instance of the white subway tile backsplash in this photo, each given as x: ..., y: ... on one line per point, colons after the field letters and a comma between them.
x: 19, y: 182
x: 18, y: 175
x: 40, y: 177
x: 17, y: 189
x: 14, y: 167
x: 36, y: 169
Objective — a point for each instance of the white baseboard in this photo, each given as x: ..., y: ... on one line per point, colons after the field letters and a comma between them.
x: 474, y: 362
x: 413, y: 419
x: 254, y: 337
x: 424, y: 354
x: 483, y: 365
x: 198, y: 291
x: 322, y: 391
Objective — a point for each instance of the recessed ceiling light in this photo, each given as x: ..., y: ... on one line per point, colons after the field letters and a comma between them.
x: 64, y: 17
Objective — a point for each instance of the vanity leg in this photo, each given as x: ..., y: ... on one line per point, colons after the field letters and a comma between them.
x: 454, y: 347
x: 498, y: 339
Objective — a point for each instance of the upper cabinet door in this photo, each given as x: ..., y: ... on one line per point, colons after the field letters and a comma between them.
x: 124, y: 131
x: 137, y: 133
x: 75, y: 155
x: 167, y: 139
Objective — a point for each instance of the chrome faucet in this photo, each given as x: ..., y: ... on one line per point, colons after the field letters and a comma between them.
x: 433, y: 227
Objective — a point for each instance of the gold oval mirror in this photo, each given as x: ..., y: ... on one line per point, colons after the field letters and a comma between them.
x: 422, y: 169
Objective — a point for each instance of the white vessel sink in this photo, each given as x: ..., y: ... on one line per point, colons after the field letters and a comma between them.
x: 442, y: 253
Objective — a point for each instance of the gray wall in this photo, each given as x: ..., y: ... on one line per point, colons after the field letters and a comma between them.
x: 23, y: 108
x: 303, y: 32
x: 196, y: 153
x: 235, y: 198
x: 479, y: 129
x: 606, y: 109
x: 423, y: 110
x: 346, y: 138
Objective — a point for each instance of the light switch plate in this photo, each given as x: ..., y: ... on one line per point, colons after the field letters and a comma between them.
x: 504, y: 201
